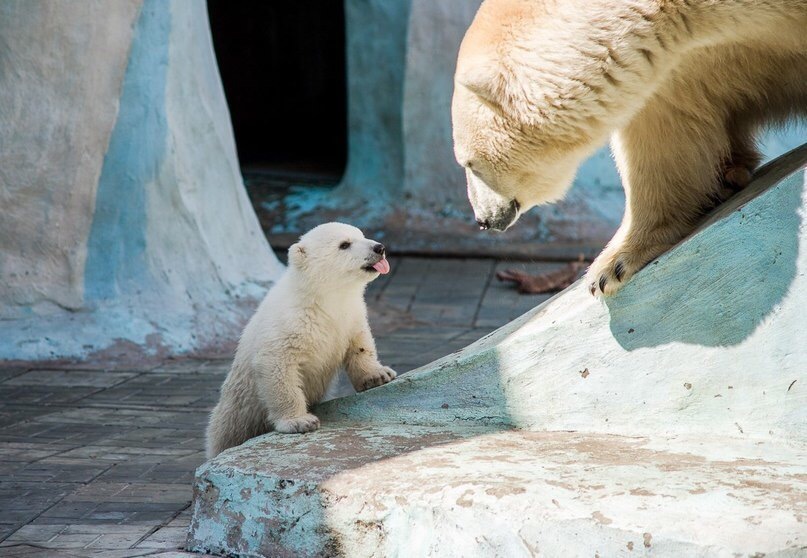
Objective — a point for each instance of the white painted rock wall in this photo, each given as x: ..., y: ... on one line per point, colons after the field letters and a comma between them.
x: 55, y: 125
x: 126, y: 232
x: 670, y: 420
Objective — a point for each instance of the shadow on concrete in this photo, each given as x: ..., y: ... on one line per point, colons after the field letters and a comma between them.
x: 721, y: 283
x: 457, y: 389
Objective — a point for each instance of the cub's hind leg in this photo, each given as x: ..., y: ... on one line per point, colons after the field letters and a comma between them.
x: 237, y: 417
x: 280, y: 388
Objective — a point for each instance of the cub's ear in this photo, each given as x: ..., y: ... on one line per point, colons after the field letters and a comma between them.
x: 482, y: 77
x: 297, y: 255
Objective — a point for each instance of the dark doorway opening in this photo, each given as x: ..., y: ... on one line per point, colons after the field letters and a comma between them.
x: 283, y: 67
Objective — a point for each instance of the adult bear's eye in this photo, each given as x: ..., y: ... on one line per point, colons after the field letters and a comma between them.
x: 345, y: 245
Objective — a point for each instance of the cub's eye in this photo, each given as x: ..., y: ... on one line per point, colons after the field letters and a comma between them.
x: 345, y: 245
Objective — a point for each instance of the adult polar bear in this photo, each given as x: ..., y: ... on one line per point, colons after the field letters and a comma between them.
x: 683, y: 86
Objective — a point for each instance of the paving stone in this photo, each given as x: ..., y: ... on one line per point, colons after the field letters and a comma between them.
x: 62, y: 470
x: 23, y: 452
x: 107, y: 417
x: 70, y: 378
x: 502, y: 303
x: 35, y: 533
x: 7, y: 372
x: 166, y: 390
x: 14, y: 415
x: 19, y: 516
x: 81, y: 540
x: 69, y: 512
x: 188, y: 366
x: 21, y: 502
x: 6, y: 529
x: 121, y: 536
x: 32, y: 551
x: 142, y: 497
x: 167, y: 537
x: 43, y: 395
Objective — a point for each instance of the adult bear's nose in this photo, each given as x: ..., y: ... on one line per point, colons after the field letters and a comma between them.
x: 378, y: 248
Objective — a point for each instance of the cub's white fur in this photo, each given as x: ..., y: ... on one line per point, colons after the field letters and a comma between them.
x: 311, y: 322
x: 683, y: 85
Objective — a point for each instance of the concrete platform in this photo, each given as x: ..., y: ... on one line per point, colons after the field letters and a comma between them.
x: 670, y: 420
x: 407, y: 490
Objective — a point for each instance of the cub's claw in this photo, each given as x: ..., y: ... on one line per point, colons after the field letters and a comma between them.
x: 297, y: 425
x: 379, y: 377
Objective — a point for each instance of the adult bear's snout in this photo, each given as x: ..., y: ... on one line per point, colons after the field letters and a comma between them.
x: 501, y: 218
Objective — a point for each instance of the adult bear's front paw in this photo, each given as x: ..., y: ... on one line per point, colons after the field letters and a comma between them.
x: 617, y: 264
x: 378, y: 377
x: 297, y: 425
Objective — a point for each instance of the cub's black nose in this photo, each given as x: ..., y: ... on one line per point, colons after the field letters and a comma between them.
x: 483, y: 225
x: 378, y: 248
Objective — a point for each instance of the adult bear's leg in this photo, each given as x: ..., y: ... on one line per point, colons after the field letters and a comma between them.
x: 670, y: 161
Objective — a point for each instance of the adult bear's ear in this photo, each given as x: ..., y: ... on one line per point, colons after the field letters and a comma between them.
x: 483, y: 77
x: 297, y: 256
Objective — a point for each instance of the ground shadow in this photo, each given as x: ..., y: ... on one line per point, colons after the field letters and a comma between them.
x: 720, y: 284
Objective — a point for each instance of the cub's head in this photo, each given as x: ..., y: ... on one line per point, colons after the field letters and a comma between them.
x: 517, y: 124
x: 338, y: 254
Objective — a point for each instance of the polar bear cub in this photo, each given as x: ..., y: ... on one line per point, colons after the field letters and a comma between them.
x: 312, y: 321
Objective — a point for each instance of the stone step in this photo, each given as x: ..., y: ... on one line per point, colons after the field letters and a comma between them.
x: 408, y: 490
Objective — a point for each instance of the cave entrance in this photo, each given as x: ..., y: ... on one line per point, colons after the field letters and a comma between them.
x: 284, y: 74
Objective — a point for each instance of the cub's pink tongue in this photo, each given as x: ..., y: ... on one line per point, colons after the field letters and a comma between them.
x: 382, y: 267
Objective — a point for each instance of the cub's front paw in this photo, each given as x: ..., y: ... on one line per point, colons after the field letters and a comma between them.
x: 297, y: 425
x: 378, y: 377
x: 616, y: 265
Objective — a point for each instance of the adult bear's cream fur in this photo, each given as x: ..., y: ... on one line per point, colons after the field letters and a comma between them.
x: 310, y: 323
x: 682, y: 85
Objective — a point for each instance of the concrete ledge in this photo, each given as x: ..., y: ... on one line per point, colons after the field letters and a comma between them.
x: 670, y: 420
x: 407, y: 490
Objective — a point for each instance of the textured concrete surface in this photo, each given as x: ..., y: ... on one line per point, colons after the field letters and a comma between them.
x: 126, y: 229
x: 97, y: 462
x: 669, y: 420
x: 407, y: 490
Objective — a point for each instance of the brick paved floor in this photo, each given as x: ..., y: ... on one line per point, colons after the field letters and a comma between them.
x: 100, y: 463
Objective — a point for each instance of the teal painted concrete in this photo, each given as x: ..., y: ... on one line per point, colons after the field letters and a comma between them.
x: 116, y: 246
x: 376, y: 61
